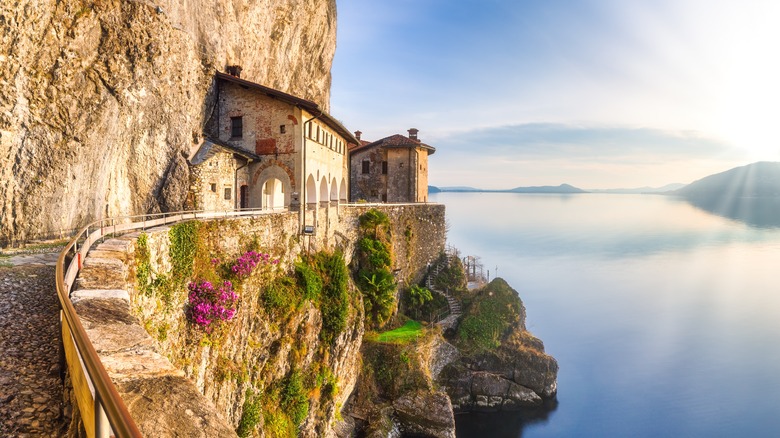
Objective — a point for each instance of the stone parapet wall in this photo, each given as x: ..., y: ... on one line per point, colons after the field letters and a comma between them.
x: 160, y: 399
x: 174, y: 384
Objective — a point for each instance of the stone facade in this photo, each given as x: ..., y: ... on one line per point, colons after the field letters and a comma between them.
x: 393, y: 169
x: 285, y: 151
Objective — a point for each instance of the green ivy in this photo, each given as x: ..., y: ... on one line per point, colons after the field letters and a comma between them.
x: 251, y: 413
x: 184, y: 240
x: 293, y: 398
x: 143, y: 267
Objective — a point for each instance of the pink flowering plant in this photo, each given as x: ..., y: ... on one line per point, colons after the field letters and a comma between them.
x: 208, y: 307
x: 248, y: 261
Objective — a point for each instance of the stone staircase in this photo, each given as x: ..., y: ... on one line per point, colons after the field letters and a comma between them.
x: 449, y: 319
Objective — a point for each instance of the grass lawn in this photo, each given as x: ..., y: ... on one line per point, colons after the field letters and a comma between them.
x: 407, y: 332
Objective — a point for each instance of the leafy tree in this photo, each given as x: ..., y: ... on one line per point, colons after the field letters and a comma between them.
x: 419, y: 295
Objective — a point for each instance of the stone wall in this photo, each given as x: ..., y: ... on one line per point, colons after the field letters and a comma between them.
x: 157, y: 359
x: 209, y: 181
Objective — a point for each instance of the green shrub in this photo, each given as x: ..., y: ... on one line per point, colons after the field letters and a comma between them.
x: 419, y: 295
x: 184, y: 240
x: 251, y: 413
x: 378, y: 287
x: 488, y: 317
x: 375, y: 259
x: 334, y: 304
x: 293, y: 398
x: 310, y: 280
x: 281, y: 296
x: 143, y: 266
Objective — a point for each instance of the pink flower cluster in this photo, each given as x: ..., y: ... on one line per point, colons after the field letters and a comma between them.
x: 248, y: 261
x: 208, y: 305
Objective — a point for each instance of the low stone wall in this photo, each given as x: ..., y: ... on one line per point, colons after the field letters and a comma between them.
x: 194, y: 397
x: 161, y: 400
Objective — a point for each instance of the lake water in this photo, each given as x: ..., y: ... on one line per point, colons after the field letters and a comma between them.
x: 664, y: 318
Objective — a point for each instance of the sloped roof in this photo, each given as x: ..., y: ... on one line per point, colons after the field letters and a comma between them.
x: 395, y: 141
x: 308, y: 105
x: 211, y: 146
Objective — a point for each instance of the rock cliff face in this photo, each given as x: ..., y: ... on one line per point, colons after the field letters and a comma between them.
x: 101, y: 98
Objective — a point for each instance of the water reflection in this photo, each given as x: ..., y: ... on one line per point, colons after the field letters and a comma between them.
x: 501, y: 424
x: 756, y: 212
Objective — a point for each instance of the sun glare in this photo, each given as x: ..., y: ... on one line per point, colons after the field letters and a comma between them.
x: 748, y: 73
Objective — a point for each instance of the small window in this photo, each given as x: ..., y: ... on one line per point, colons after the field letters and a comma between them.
x: 214, y: 187
x: 384, y: 167
x: 282, y: 129
x: 236, y: 127
x: 366, y: 165
x: 228, y: 194
x: 384, y: 197
x: 400, y: 164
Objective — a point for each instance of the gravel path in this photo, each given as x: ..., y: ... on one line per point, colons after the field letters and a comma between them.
x: 30, y: 387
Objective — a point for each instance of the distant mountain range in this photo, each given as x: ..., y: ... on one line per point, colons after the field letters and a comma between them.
x: 563, y: 188
x: 749, y: 194
x: 757, y: 180
x: 641, y: 190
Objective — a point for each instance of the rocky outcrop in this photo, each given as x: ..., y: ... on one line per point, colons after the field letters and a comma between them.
x: 101, y: 98
x: 425, y: 413
x: 396, y: 392
x: 513, y: 377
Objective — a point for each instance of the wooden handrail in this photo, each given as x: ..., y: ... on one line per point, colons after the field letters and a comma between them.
x: 116, y: 420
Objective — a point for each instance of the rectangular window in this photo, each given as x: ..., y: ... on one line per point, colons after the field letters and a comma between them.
x: 384, y: 197
x: 214, y: 187
x: 282, y: 129
x: 228, y: 193
x: 366, y: 165
x: 236, y: 127
x: 384, y: 167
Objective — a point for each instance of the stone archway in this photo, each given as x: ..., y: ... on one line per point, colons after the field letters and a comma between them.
x: 271, y: 188
x: 334, y: 191
x: 311, y: 191
x: 273, y: 195
x: 343, y: 191
x: 323, y: 190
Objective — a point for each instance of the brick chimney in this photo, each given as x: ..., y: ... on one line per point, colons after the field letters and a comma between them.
x: 234, y: 70
x: 413, y: 133
x: 358, y: 134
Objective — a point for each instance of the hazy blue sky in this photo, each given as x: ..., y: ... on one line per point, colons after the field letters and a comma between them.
x: 594, y: 93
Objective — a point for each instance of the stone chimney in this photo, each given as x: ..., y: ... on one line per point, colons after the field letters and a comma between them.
x: 413, y: 133
x: 358, y: 134
x: 234, y: 70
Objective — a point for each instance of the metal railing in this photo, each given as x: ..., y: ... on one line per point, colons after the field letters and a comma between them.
x: 103, y: 412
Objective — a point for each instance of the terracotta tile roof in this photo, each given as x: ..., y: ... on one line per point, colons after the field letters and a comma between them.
x: 308, y: 105
x: 394, y: 141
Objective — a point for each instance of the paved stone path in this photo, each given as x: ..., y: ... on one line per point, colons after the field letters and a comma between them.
x: 31, y: 402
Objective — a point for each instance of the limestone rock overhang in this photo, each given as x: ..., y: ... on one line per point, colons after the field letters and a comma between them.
x: 308, y: 105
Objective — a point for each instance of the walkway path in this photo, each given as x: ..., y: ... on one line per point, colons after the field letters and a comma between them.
x: 30, y: 386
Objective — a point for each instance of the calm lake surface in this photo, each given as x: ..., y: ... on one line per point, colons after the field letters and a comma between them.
x: 664, y: 318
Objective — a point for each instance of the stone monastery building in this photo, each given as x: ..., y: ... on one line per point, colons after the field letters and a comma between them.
x: 393, y: 169
x: 263, y: 148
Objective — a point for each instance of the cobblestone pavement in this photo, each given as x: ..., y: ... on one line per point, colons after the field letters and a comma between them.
x: 30, y: 387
